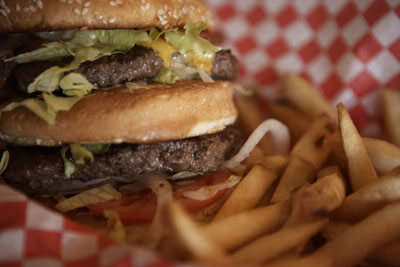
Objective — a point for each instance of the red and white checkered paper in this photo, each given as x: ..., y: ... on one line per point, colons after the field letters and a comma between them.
x: 347, y: 49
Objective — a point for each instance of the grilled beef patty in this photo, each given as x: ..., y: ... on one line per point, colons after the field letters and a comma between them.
x: 40, y: 170
x: 138, y: 63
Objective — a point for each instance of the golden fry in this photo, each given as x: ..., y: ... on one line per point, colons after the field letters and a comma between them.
x: 190, y: 236
x: 270, y: 246
x: 276, y: 163
x: 355, y: 244
x: 370, y: 198
x: 297, y: 173
x: 391, y: 114
x: 297, y: 122
x: 361, y: 170
x: 384, y: 156
x: 248, y: 192
x: 306, y: 98
x: 313, y: 145
x: 234, y: 231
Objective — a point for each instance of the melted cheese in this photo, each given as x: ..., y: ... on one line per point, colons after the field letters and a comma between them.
x: 165, y: 50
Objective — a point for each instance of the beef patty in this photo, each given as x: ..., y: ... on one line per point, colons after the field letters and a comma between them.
x: 40, y: 170
x: 138, y: 63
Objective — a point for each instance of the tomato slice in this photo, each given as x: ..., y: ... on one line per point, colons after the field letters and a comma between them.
x: 140, y: 207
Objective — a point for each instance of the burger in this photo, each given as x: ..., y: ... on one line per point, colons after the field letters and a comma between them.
x: 102, y: 98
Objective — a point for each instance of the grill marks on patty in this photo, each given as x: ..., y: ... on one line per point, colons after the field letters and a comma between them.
x: 137, y: 64
x: 41, y: 169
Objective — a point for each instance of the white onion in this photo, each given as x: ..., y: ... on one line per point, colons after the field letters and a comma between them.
x: 163, y: 191
x: 280, y: 141
x: 204, y: 76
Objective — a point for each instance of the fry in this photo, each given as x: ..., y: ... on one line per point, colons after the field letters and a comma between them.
x: 271, y: 246
x: 350, y: 248
x: 297, y: 122
x: 384, y: 156
x: 388, y: 255
x: 361, y: 171
x: 318, y: 199
x: 231, y: 232
x: 276, y: 163
x: 248, y: 192
x: 370, y: 198
x: 313, y: 145
x: 391, y: 114
x: 256, y: 156
x: 249, y: 118
x: 328, y: 171
x: 297, y: 173
x: 306, y: 98
x: 189, y: 235
x: 337, y: 155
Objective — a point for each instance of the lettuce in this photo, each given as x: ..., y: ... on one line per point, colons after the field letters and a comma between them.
x: 75, y: 84
x: 165, y: 75
x: 45, y: 108
x: 89, y: 197
x: 97, y: 148
x: 191, y: 40
x: 80, y: 153
x: 69, y: 167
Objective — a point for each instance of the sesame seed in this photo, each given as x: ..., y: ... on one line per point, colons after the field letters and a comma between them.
x: 17, y: 8
x: 143, y: 8
x: 77, y: 11
x: 78, y: 1
x: 104, y: 21
x: 87, y: 4
x: 120, y: 2
x: 164, y: 22
x: 70, y: 1
x: 112, y: 3
x: 40, y: 4
x: 148, y: 6
x: 85, y: 11
x: 112, y: 20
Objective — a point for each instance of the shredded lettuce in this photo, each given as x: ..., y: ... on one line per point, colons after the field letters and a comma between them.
x: 69, y: 167
x: 165, y: 76
x: 89, y: 197
x: 115, y: 228
x: 191, y: 41
x: 184, y: 174
x: 75, y: 84
x: 97, y: 148
x: 45, y: 108
x: 80, y: 153
x: 5, y: 157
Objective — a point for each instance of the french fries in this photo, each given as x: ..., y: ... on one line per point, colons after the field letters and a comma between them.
x: 370, y: 198
x: 297, y: 123
x: 391, y: 114
x: 308, y: 196
x: 361, y: 170
x: 248, y: 192
x: 384, y: 156
x: 271, y: 246
x: 232, y: 232
x: 306, y: 98
x: 190, y: 237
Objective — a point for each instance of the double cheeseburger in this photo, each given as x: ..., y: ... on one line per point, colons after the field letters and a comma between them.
x: 100, y: 92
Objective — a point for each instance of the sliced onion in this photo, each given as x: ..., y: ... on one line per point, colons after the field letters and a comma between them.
x: 136, y: 85
x: 204, y: 76
x: 207, y: 192
x: 163, y: 191
x: 280, y: 141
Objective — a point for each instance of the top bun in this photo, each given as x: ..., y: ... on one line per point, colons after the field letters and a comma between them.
x: 54, y: 15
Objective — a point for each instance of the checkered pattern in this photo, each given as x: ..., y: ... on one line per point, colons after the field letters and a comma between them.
x: 347, y: 49
x: 32, y: 235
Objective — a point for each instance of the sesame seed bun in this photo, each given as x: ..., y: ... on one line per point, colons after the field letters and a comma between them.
x: 156, y: 113
x: 53, y: 15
